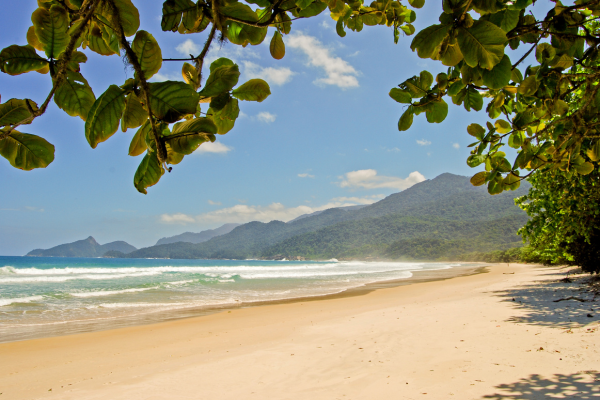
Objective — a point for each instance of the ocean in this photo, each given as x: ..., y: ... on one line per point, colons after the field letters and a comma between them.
x: 45, y: 296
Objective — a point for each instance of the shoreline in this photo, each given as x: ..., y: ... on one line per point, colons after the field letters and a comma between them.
x: 496, y: 335
x: 67, y: 328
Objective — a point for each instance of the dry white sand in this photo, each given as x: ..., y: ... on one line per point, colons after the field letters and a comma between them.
x: 462, y: 338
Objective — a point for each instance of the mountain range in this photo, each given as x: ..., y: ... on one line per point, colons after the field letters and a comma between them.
x: 84, y: 248
x: 444, y: 216
x: 199, y: 237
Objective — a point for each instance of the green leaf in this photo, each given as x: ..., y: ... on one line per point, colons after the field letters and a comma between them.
x: 544, y: 52
x: 529, y: 86
x: 104, y: 116
x: 222, y: 79
x: 339, y: 27
x: 190, y: 75
x: 134, y: 114
x: 148, y: 52
x: 401, y: 96
x: 502, y: 126
x: 416, y: 3
x: 15, y: 110
x: 26, y: 152
x: 406, y: 120
x: 16, y: 60
x: 103, y: 41
x: 148, y: 173
x: 75, y: 96
x: 584, y: 168
x: 33, y: 40
x: 594, y: 151
x: 172, y: 13
x: 138, y: 143
x: 507, y: 20
x: 499, y: 76
x: 277, y: 46
x: 195, y: 131
x: 220, y: 62
x: 316, y: 8
x: 239, y: 11
x: 482, y: 44
x: 429, y: 39
x: 129, y: 15
x: 225, y: 118
x: 253, y: 90
x: 515, y: 140
x: 170, y: 101
x: 437, y: 111
x: 475, y: 160
x: 476, y: 131
x: 479, y: 178
x: 303, y: 3
x: 51, y: 29
x: 470, y: 98
x: 496, y: 187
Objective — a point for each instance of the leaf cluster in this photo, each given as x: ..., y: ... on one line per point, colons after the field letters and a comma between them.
x: 547, y: 111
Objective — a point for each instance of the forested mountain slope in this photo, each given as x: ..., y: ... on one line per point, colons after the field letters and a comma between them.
x: 83, y: 248
x: 445, y: 207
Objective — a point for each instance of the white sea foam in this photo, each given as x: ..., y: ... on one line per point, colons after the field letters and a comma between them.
x: 29, y: 299
x: 70, y: 278
x: 110, y: 292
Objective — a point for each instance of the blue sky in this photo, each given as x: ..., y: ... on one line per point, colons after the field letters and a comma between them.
x: 327, y: 136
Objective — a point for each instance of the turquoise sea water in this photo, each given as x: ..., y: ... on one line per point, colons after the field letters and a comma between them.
x: 43, y: 296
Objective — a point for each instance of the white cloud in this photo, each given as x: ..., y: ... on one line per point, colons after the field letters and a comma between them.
x: 214, y: 203
x: 266, y: 117
x: 34, y: 209
x: 161, y: 77
x: 360, y: 200
x: 274, y: 76
x: 368, y: 179
x: 423, y: 142
x: 325, y: 24
x: 456, y: 145
x: 189, y: 47
x: 306, y: 175
x: 338, y: 71
x: 178, y: 218
x: 213, y: 147
x: 242, y: 213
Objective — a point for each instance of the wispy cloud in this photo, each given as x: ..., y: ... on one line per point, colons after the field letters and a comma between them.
x: 189, y: 47
x: 368, y: 179
x: 305, y: 175
x: 241, y: 213
x: 214, y: 147
x: 456, y: 145
x: 177, y: 218
x: 338, y: 71
x: 214, y: 203
x: 274, y: 76
x: 266, y: 117
x: 423, y: 142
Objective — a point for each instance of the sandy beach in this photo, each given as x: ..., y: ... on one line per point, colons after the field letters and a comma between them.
x: 497, y: 335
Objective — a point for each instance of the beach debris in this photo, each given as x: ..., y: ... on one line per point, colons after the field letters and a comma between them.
x: 571, y: 298
x: 590, y: 316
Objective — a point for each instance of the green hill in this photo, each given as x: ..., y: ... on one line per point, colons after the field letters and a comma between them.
x: 83, y: 248
x: 445, y: 208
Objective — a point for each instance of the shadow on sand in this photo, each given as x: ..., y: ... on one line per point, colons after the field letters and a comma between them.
x: 582, y: 385
x: 539, y: 303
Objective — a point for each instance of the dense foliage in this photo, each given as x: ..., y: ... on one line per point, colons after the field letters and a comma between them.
x: 564, y: 218
x: 472, y: 39
x: 538, y: 117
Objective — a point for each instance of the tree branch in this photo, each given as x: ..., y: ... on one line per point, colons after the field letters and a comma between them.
x: 161, y: 149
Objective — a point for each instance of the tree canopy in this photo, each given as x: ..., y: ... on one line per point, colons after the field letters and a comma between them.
x: 531, y: 106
